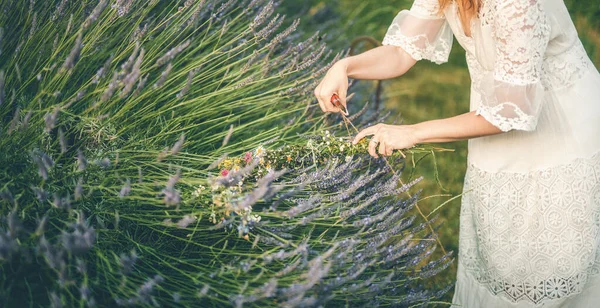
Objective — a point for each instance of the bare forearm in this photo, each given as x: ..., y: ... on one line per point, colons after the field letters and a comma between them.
x: 464, y: 126
x: 387, y: 138
x: 384, y: 62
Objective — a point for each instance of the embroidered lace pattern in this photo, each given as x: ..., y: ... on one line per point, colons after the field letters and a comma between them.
x: 557, y: 71
x: 520, y: 39
x: 493, y: 111
x: 532, y: 236
x: 521, y: 121
x: 564, y: 69
x: 419, y: 45
x: 411, y: 44
x: 426, y: 8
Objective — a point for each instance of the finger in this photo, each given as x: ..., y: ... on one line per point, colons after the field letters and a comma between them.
x: 389, y: 150
x: 382, y: 148
x: 324, y: 97
x: 327, y: 105
x: 336, y: 103
x: 373, y: 146
x: 323, y: 100
x: 318, y: 96
x: 344, y: 100
x: 363, y: 133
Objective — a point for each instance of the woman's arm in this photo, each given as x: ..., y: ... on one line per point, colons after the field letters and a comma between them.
x: 370, y: 65
x: 415, y: 34
x: 379, y: 63
x: 465, y: 126
x: 398, y: 137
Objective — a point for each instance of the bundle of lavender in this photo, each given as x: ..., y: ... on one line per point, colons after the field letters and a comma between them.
x: 319, y: 150
x: 113, y: 113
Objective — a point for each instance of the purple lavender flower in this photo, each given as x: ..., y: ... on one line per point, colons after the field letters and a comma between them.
x: 163, y: 76
x: 126, y: 189
x: 133, y: 76
x: 79, y: 189
x: 81, y: 161
x: 40, y: 193
x: 188, y: 84
x: 59, y: 12
x: 8, y: 246
x: 228, y: 136
x: 122, y: 7
x: 55, y: 301
x: 74, y: 54
x: 178, y: 145
x: 128, y: 262
x: 81, y: 239
x: 43, y: 161
x: 7, y: 196
x: 203, y: 291
x: 185, y: 221
x: 95, y: 13
x: 144, y: 293
x: 103, y: 162
x: 15, y: 120
x: 171, y: 54
x: 50, y: 119
x: 41, y: 226
x: 262, y: 16
x: 33, y: 26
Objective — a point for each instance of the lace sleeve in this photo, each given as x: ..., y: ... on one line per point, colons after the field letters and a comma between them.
x: 421, y: 32
x: 512, y: 97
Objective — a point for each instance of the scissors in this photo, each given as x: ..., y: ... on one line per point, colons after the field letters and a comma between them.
x: 335, y: 101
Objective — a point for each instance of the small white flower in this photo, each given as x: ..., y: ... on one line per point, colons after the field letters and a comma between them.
x: 215, y: 186
x: 348, y: 158
x: 260, y: 151
x: 342, y: 147
x: 196, y: 193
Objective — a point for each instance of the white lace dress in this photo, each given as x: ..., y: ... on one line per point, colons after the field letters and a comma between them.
x: 530, y: 214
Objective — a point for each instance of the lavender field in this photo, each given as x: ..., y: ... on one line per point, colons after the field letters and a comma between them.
x: 170, y: 153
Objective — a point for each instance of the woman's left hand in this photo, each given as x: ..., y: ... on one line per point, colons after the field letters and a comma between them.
x: 389, y: 138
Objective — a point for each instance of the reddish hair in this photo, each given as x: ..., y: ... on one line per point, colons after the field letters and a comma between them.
x: 466, y: 10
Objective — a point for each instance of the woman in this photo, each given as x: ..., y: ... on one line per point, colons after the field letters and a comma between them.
x: 530, y: 215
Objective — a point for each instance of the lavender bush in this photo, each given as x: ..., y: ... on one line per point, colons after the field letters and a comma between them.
x: 164, y: 153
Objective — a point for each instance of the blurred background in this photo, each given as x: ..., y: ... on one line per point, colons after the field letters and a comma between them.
x: 428, y: 91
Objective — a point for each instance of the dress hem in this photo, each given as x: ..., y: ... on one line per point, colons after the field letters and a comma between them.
x: 477, y: 295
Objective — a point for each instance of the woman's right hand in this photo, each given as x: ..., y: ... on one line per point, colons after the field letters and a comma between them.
x: 334, y: 82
